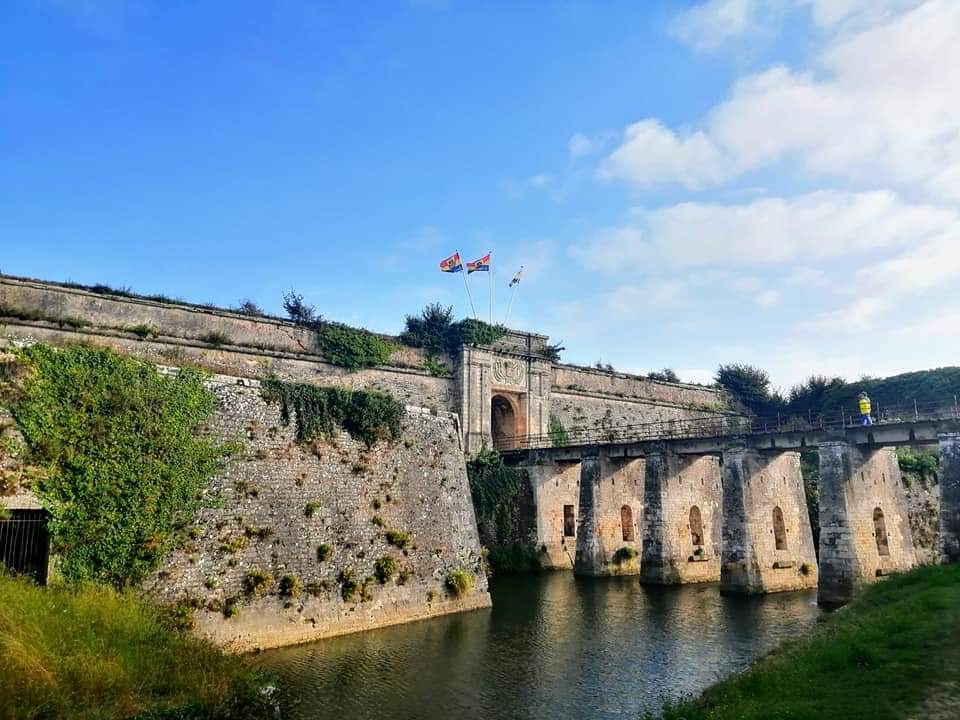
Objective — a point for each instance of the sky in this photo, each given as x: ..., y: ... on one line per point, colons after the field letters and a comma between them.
x: 686, y: 184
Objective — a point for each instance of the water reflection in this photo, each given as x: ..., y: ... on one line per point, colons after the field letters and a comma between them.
x: 553, y: 646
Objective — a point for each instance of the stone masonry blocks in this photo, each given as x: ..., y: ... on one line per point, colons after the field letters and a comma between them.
x: 767, y: 540
x: 864, y: 531
x: 610, y: 512
x: 682, y: 519
x: 556, y: 493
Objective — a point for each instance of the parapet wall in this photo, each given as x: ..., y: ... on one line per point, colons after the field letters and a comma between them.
x: 280, y: 501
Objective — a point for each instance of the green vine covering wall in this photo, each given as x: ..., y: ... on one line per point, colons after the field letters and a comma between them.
x: 353, y: 348
x: 123, y: 457
x: 503, y: 502
x: 366, y: 415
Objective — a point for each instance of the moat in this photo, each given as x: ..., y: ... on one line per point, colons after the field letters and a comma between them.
x: 553, y: 646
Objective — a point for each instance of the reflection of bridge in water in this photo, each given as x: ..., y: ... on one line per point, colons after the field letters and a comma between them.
x: 613, y: 494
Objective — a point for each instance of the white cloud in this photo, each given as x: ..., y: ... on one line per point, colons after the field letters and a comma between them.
x: 880, y: 106
x: 651, y: 155
x: 710, y: 24
x: 580, y: 145
x: 811, y: 227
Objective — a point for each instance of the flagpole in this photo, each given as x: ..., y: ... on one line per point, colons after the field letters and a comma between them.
x: 490, y: 279
x: 513, y: 292
x: 463, y: 271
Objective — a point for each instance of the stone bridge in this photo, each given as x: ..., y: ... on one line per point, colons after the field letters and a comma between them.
x: 723, y: 499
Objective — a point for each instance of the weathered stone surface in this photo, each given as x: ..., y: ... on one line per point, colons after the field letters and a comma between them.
x: 610, y: 510
x: 679, y: 491
x: 556, y: 493
x: 950, y: 496
x: 755, y: 486
x: 335, y: 492
x: 858, y: 486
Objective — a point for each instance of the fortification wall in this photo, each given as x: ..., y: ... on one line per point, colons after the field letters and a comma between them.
x: 336, y: 493
x: 577, y: 409
x: 614, y: 384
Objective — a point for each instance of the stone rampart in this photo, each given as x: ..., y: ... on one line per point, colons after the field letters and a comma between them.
x: 278, y: 505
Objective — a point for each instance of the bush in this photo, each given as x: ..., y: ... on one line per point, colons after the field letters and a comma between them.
x: 257, y: 582
x: 460, y: 581
x: 310, y: 509
x: 349, y: 587
x: 215, y: 337
x: 385, y: 568
x: 324, y: 552
x: 353, y: 348
x: 249, y: 307
x: 94, y: 653
x: 665, y: 375
x: 435, y: 331
x: 398, y: 538
x: 625, y: 554
x: 124, y: 455
x: 365, y: 415
x: 289, y: 586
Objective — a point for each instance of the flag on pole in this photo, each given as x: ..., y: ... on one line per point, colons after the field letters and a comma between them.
x: 451, y: 264
x: 481, y: 265
x: 516, y: 278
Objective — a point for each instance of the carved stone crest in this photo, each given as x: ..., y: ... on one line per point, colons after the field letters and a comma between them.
x: 508, y: 372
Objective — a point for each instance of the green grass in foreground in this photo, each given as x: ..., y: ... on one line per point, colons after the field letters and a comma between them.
x: 877, y: 658
x: 98, y: 654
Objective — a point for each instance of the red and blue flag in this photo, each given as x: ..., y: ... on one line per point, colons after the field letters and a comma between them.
x: 451, y: 264
x: 481, y: 265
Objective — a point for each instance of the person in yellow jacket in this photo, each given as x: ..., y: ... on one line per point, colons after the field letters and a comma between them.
x: 865, y: 408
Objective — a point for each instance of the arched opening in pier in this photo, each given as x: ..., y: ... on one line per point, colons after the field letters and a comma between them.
x: 626, y: 523
x: 779, y: 529
x: 696, y: 527
x: 880, y: 532
x: 503, y: 421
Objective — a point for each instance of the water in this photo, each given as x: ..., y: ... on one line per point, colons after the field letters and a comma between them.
x: 553, y: 647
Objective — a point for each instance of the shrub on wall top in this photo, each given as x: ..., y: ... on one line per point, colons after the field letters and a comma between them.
x: 124, y: 456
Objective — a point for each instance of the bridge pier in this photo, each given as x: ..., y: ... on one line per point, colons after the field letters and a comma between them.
x: 681, y: 518
x: 950, y: 496
x: 864, y: 527
x: 556, y: 497
x: 608, y: 531
x: 767, y: 540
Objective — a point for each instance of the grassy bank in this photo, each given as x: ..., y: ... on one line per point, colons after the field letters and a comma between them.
x: 98, y: 654
x: 878, y: 658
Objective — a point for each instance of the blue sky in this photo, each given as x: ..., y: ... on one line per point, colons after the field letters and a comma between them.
x: 686, y: 183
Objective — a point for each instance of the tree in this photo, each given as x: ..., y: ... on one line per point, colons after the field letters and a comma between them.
x: 751, y: 387
x: 299, y: 311
x: 430, y: 330
x: 811, y: 396
x: 249, y: 307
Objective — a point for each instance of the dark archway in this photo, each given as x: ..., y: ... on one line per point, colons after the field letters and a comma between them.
x: 696, y: 527
x: 503, y: 422
x: 626, y: 523
x: 880, y: 532
x: 779, y: 529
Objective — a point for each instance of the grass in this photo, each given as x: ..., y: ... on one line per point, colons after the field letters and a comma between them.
x: 97, y: 654
x: 878, y: 658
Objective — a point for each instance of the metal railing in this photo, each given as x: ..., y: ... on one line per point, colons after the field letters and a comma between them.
x: 25, y: 543
x: 731, y: 425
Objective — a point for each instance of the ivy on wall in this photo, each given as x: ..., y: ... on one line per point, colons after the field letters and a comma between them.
x: 366, y: 415
x: 123, y: 454
x: 500, y: 494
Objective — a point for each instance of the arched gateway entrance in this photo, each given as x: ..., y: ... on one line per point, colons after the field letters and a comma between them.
x: 506, y: 422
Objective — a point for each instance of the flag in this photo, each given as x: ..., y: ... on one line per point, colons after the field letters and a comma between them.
x: 481, y: 265
x: 451, y: 264
x: 516, y: 278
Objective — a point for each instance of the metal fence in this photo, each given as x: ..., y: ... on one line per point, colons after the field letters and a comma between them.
x: 731, y: 425
x: 25, y: 543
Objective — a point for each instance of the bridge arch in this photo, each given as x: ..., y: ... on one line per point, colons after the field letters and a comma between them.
x: 779, y: 529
